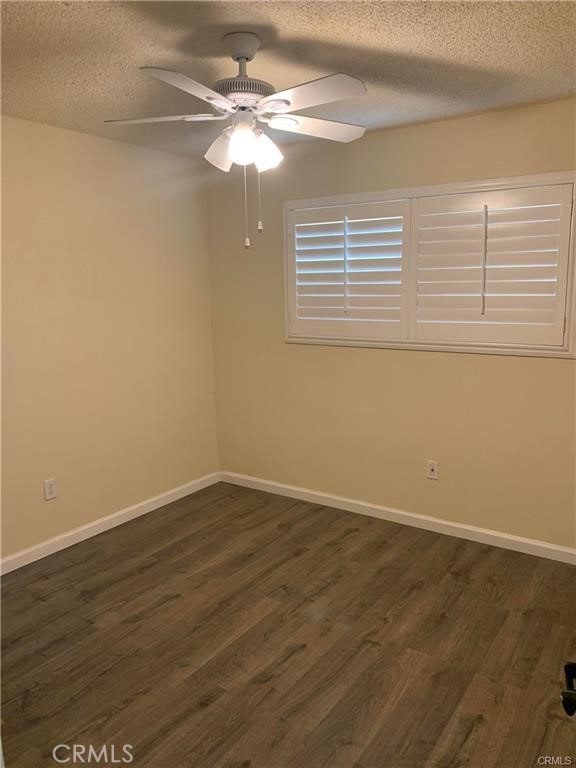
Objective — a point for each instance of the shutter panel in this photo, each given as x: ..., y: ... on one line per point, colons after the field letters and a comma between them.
x: 347, y: 271
x: 492, y: 267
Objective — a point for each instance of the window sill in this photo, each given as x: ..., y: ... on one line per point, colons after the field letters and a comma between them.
x: 475, y: 349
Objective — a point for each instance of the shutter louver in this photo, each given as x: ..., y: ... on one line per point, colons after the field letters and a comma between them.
x: 349, y: 277
x: 492, y: 267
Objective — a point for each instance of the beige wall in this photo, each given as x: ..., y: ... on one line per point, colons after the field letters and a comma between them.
x: 361, y: 423
x: 108, y: 380
x: 108, y: 371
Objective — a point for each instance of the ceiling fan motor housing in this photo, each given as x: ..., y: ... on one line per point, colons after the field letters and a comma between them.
x: 244, y: 91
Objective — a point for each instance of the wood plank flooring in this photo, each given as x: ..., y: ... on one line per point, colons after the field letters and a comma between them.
x: 238, y: 629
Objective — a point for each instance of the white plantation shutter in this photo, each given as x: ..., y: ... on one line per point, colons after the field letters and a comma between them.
x: 347, y: 276
x: 492, y: 266
x: 480, y: 267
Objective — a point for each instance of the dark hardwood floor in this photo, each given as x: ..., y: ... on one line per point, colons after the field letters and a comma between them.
x: 238, y: 629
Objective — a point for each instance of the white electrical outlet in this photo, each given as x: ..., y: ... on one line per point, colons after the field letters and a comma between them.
x: 50, y: 489
x: 432, y: 470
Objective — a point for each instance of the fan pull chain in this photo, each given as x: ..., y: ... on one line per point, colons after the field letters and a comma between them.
x: 246, y: 230
x: 260, y: 224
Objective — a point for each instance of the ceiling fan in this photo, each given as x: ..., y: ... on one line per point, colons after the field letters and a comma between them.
x: 247, y: 104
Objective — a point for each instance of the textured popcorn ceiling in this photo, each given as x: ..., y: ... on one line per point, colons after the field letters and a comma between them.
x: 75, y: 64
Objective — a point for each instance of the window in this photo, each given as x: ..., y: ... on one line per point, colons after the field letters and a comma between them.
x: 477, y: 267
x: 348, y: 266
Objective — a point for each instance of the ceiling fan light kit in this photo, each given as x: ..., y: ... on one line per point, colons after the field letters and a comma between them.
x: 245, y: 144
x: 247, y: 101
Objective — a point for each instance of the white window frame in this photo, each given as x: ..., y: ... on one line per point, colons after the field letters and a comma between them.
x: 567, y: 350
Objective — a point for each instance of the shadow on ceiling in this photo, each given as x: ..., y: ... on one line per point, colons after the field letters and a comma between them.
x: 394, y: 70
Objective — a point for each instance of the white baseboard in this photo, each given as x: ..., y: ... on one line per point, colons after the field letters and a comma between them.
x: 26, y: 556
x: 460, y: 530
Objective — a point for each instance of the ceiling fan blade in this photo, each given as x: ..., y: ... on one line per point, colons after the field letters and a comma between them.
x: 322, y: 91
x: 314, y: 126
x: 191, y: 86
x: 168, y: 119
x: 218, y: 154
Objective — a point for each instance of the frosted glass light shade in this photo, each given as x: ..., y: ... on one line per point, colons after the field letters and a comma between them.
x: 218, y: 153
x: 267, y: 153
x: 243, y: 145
